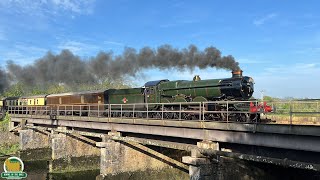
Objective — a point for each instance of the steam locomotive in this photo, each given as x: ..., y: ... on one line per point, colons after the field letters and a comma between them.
x: 223, y: 99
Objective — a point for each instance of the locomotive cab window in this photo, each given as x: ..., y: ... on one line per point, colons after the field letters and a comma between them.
x: 149, y: 90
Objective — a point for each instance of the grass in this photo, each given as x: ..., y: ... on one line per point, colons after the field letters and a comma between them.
x: 8, y: 149
x: 296, y: 119
x: 4, y: 124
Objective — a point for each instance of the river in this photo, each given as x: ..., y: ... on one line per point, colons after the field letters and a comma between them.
x: 226, y: 169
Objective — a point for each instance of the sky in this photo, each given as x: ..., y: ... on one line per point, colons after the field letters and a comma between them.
x: 277, y: 43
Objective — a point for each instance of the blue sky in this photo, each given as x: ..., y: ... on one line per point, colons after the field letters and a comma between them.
x: 276, y: 42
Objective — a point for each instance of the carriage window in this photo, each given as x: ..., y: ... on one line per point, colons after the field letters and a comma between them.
x: 37, y: 101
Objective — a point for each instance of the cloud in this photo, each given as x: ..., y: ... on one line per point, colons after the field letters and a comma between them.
x: 45, y: 7
x: 77, y: 6
x: 179, y: 22
x: 78, y: 47
x: 2, y: 36
x: 264, y: 19
x: 293, y: 70
x: 21, y: 53
x: 113, y: 43
x: 296, y: 80
x: 252, y: 61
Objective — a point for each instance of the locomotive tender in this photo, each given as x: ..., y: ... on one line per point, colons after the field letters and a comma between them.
x: 238, y: 90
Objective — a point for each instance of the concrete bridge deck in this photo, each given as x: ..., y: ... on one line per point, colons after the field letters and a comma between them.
x: 122, y: 139
x: 295, y: 137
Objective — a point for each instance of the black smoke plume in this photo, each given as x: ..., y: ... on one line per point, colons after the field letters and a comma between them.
x: 164, y: 57
x: 69, y: 69
x: 4, y: 81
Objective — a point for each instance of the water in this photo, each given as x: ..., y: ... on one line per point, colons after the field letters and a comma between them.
x: 226, y: 169
x: 38, y: 170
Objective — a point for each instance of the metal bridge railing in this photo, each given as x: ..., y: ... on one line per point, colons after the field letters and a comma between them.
x: 219, y: 111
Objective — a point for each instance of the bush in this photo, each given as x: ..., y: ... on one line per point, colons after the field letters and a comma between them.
x: 4, y: 124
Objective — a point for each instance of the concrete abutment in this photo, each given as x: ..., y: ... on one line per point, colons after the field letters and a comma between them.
x: 34, y: 145
x: 202, y: 167
x: 65, y: 152
x: 123, y: 157
x: 73, y: 153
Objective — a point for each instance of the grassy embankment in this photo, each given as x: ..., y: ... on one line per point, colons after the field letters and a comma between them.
x: 296, y: 112
x: 7, y: 146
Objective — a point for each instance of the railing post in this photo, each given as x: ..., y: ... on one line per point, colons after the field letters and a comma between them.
x: 31, y: 111
x: 134, y: 107
x: 98, y: 110
x: 180, y: 112
x: 203, y: 109
x: 162, y: 111
x: 121, y: 111
x: 80, y: 111
x: 227, y: 111
x: 147, y: 111
x: 89, y: 112
x: 200, y: 111
x: 109, y: 112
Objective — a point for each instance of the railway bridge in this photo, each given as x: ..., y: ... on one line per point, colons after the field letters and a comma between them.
x: 129, y: 142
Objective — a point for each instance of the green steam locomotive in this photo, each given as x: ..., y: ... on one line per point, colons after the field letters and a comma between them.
x: 222, y: 99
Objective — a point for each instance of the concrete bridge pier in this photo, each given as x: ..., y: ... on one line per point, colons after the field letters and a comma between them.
x: 34, y: 144
x: 200, y: 166
x: 127, y: 157
x: 72, y: 152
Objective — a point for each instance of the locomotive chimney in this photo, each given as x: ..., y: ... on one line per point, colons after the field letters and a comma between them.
x: 196, y: 78
x: 237, y: 74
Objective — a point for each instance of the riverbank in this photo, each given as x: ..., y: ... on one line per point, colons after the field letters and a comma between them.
x: 9, y: 142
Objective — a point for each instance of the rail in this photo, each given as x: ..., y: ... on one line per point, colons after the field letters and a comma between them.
x: 230, y: 111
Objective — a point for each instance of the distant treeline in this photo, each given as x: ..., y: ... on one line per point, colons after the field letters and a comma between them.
x: 274, y: 99
x: 21, y: 89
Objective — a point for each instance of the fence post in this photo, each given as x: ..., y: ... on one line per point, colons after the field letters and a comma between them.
x: 290, y: 108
